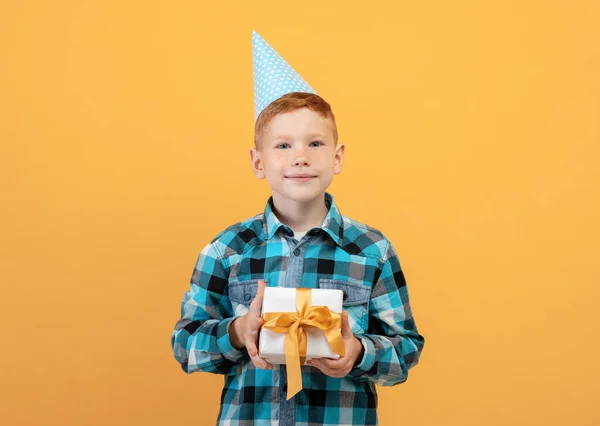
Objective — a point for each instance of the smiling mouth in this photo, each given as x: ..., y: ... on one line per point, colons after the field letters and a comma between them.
x: 301, y: 178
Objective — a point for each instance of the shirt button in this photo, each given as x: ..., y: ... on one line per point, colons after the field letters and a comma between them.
x: 247, y: 296
x: 297, y: 252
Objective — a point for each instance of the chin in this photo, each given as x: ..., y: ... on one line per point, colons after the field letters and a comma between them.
x: 302, y: 194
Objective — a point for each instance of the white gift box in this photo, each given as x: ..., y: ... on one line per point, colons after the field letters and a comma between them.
x: 271, y: 345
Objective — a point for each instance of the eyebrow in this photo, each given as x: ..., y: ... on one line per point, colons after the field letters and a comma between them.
x: 312, y: 135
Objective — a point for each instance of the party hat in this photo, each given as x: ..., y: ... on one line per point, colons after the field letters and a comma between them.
x: 273, y: 76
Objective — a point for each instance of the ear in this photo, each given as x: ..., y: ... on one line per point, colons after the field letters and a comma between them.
x: 339, y: 158
x: 257, y: 165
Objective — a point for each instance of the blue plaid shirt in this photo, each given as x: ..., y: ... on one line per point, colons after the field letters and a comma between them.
x: 341, y: 254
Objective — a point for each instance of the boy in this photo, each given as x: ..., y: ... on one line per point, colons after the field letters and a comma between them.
x: 301, y: 240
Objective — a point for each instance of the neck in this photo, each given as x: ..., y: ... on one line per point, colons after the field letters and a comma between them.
x: 300, y: 215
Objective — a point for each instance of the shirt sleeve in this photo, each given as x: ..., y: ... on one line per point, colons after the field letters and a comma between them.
x: 200, y: 340
x: 393, y: 344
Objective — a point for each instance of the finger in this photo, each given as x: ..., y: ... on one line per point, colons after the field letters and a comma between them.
x: 322, y: 366
x: 255, y: 325
x: 251, y: 348
x: 256, y: 304
x: 346, y: 329
x: 315, y: 363
x: 251, y: 338
x: 260, y: 362
x: 321, y: 363
x: 332, y: 364
x: 334, y: 367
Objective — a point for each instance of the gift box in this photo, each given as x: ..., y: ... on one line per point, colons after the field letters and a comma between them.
x: 300, y: 324
x: 282, y: 299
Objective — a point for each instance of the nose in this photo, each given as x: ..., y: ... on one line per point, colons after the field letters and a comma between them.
x: 300, y: 158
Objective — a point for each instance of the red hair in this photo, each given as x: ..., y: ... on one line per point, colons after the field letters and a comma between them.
x: 291, y: 102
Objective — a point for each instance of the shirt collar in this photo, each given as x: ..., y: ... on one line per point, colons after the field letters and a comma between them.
x: 332, y: 225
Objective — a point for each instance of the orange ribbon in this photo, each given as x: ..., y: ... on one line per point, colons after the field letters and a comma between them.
x: 293, y: 324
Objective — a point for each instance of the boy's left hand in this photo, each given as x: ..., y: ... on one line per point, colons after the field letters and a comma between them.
x: 341, y: 366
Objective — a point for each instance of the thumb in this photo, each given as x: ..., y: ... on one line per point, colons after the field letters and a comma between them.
x: 346, y: 329
x: 256, y: 305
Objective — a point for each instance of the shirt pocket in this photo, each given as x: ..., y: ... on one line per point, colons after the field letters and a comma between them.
x: 241, y: 294
x: 356, y: 302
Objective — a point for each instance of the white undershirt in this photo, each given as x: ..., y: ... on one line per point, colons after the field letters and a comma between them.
x: 299, y: 235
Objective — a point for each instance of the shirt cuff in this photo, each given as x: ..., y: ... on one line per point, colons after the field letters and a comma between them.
x: 224, y: 343
x: 368, y: 358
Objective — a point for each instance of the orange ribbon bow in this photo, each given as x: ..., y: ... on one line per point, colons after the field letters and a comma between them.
x: 293, y: 323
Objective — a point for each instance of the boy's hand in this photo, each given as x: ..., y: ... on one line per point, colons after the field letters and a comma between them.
x: 341, y: 366
x: 244, y: 330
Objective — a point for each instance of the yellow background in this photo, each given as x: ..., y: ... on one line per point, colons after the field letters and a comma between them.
x: 472, y: 132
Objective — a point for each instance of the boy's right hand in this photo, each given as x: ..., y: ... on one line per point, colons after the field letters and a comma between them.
x: 244, y: 330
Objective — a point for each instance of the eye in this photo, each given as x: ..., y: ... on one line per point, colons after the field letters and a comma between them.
x: 280, y: 144
x: 319, y: 142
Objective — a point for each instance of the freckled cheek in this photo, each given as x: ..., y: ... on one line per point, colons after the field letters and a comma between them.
x: 276, y: 169
x: 280, y: 164
x: 277, y: 160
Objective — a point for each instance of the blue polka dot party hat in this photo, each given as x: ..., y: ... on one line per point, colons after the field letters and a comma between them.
x: 273, y: 76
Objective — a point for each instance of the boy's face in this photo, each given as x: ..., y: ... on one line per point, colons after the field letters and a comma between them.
x: 298, y: 142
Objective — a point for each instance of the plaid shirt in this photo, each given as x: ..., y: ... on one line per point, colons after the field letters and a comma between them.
x: 341, y: 254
